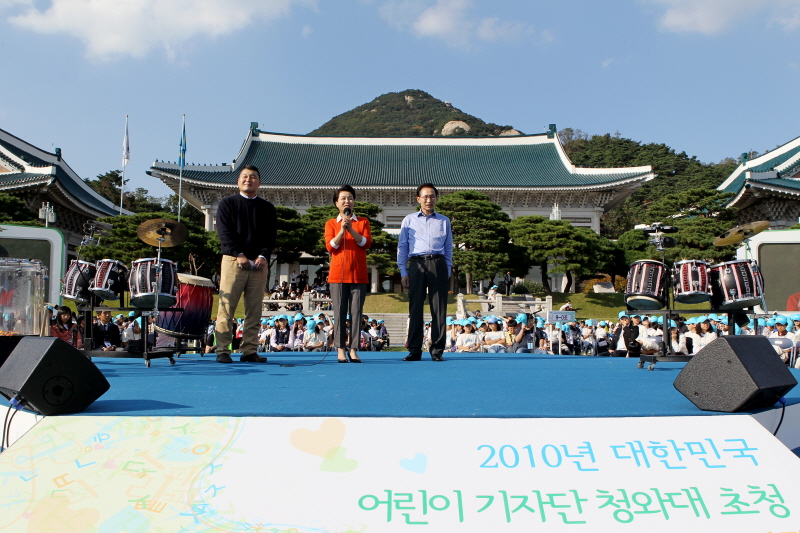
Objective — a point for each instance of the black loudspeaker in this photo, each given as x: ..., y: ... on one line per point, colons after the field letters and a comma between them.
x: 51, y: 377
x: 735, y: 373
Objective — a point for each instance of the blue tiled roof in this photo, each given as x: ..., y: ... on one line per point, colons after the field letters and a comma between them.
x: 407, y: 165
x: 783, y: 183
x: 66, y: 179
x: 765, y: 166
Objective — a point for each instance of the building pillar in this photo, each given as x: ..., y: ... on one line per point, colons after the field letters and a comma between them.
x: 375, y: 280
x: 209, y: 222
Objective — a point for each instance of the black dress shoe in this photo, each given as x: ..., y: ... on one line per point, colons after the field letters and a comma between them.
x: 224, y: 358
x: 436, y: 358
x: 413, y: 357
x: 252, y: 358
x: 343, y: 360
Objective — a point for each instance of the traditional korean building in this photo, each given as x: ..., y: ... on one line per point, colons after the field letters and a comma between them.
x: 37, y: 176
x: 525, y: 174
x: 767, y: 187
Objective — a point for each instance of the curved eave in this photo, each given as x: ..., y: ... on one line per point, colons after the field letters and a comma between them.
x: 748, y: 195
x: 633, y: 180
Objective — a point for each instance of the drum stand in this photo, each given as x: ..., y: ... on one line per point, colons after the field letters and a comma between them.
x: 665, y: 353
x: 156, y: 286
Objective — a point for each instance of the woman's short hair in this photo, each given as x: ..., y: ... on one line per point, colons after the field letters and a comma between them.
x: 343, y: 188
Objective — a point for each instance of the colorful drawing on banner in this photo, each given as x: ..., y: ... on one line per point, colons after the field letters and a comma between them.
x: 336, y: 461
x: 325, y: 442
x: 418, y: 464
x: 329, y: 435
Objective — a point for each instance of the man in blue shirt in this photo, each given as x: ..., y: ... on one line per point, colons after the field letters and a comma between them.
x: 425, y: 260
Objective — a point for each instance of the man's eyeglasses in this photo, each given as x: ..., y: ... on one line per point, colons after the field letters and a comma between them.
x: 428, y: 197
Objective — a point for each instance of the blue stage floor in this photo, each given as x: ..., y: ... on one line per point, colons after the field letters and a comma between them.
x: 465, y: 385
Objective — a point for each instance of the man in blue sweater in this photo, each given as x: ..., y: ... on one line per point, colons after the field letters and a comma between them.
x: 247, y: 228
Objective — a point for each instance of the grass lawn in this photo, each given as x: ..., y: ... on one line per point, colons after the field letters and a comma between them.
x: 600, y: 306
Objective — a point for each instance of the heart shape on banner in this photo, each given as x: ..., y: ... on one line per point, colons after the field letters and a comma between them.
x: 335, y: 461
x: 418, y: 464
x: 330, y: 435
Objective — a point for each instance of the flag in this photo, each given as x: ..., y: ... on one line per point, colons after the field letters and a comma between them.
x: 182, y: 154
x: 126, y: 145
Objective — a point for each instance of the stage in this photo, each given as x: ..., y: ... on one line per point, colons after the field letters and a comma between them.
x: 464, y: 386
x: 475, y: 443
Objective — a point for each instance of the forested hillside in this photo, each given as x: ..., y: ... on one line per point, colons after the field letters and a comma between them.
x: 409, y: 113
x: 676, y: 173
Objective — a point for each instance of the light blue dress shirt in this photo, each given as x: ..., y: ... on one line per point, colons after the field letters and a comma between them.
x: 424, y: 235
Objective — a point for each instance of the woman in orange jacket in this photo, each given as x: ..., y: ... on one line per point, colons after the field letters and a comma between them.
x: 347, y: 238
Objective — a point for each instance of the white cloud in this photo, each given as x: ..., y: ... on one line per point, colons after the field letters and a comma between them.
x: 711, y: 17
x: 450, y: 21
x: 306, y: 31
x: 119, y: 28
x: 607, y: 62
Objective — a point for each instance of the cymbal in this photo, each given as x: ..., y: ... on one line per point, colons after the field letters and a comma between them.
x: 173, y: 232
x: 741, y: 233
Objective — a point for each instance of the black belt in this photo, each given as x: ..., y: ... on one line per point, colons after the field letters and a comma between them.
x: 426, y: 257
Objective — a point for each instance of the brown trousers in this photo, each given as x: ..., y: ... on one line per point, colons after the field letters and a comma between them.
x: 234, y: 282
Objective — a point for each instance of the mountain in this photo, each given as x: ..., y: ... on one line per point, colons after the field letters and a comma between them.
x: 410, y: 113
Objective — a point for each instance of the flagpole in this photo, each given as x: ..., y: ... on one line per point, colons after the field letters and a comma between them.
x: 126, y: 155
x: 183, y: 163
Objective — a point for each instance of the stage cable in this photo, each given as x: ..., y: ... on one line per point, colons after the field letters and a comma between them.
x: 783, y: 410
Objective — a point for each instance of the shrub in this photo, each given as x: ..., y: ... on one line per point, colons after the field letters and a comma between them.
x: 619, y: 285
x: 528, y: 287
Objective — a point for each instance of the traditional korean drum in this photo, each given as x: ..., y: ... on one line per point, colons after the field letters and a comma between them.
x: 79, y: 277
x: 690, y: 282
x: 646, y: 288
x: 736, y: 285
x: 22, y: 286
x: 110, y: 279
x: 196, y: 298
x: 142, y: 280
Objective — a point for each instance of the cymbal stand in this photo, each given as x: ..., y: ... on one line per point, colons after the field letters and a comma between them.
x: 156, y: 286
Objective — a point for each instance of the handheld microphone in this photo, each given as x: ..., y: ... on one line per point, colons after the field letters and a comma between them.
x: 348, y: 212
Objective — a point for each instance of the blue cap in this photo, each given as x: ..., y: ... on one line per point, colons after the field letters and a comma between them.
x: 473, y: 320
x: 449, y: 321
x: 298, y: 316
x: 602, y: 323
x: 132, y: 314
x: 673, y: 324
x: 380, y: 321
x: 713, y: 316
x: 522, y: 318
x: 240, y: 320
x: 795, y: 316
x: 311, y: 324
x: 770, y: 322
x: 264, y: 321
x: 622, y: 314
x: 491, y: 320
x: 780, y: 319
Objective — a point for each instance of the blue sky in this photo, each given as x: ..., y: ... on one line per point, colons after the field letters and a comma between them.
x: 713, y: 78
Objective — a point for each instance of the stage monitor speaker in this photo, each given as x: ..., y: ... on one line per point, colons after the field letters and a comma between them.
x: 735, y: 373
x: 52, y: 377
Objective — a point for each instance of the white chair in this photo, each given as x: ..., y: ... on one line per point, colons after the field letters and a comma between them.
x: 783, y: 344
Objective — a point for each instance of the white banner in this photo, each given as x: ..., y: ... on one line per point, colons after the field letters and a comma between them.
x: 560, y: 316
x: 705, y: 473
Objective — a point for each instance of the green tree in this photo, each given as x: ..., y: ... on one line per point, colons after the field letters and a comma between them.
x: 674, y: 172
x: 566, y: 248
x: 107, y: 185
x: 480, y: 235
x: 123, y: 244
x: 13, y: 209
x: 188, y: 211
x: 693, y: 240
x: 295, y: 236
